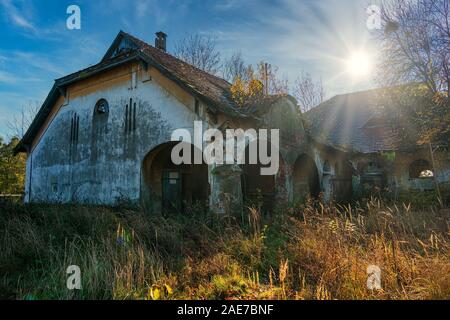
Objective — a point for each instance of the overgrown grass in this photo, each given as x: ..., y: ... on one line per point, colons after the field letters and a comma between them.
x: 310, y: 251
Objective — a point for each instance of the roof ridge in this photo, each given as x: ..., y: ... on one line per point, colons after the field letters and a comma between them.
x: 145, y: 45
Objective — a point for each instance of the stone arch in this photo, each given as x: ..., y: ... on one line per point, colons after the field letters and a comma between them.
x: 305, y: 178
x: 171, y: 188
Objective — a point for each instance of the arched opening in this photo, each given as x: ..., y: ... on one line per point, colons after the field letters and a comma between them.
x: 342, y: 181
x: 305, y: 178
x: 258, y: 189
x: 326, y: 180
x: 171, y: 188
x: 420, y: 169
x: 373, y: 176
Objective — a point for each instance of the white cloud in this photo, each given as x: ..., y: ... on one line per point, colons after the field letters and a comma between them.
x: 16, y: 17
x: 21, y: 15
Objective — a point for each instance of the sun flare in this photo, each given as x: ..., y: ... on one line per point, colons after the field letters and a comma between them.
x: 359, y: 65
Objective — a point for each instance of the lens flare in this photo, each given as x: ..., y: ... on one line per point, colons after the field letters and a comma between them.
x: 359, y: 65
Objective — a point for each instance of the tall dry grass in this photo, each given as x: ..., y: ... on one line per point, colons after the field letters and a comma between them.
x: 308, y: 251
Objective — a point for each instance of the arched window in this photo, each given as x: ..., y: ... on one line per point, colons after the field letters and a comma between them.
x: 101, y: 107
x: 420, y: 169
x: 100, y: 121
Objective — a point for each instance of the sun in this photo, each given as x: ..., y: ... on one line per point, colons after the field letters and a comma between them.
x: 359, y: 65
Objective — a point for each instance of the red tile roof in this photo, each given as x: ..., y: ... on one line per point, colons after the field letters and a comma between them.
x: 208, y: 86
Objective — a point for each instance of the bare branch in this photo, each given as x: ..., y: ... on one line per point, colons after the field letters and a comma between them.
x: 199, y: 51
x: 19, y: 124
x: 307, y: 92
x: 235, y: 67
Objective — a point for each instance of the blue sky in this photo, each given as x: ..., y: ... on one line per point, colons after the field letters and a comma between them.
x: 315, y: 36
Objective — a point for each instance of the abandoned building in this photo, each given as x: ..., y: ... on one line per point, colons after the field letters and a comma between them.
x: 375, y: 149
x: 103, y: 135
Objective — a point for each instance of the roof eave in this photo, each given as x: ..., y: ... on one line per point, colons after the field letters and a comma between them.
x: 59, y: 87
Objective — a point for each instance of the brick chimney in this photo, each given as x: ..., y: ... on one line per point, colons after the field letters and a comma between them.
x: 160, y: 40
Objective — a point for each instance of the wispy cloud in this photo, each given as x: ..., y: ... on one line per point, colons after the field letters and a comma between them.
x: 295, y: 35
x: 227, y: 5
x: 312, y: 36
x: 17, y: 17
x: 10, y: 78
x: 35, y: 61
x: 150, y: 9
x: 21, y: 15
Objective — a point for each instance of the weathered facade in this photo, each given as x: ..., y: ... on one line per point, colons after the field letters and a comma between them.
x: 104, y: 136
x: 380, y: 157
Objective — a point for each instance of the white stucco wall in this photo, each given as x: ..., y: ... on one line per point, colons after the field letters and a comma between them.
x: 105, y: 166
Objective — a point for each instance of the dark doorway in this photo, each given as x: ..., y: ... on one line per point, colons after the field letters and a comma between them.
x: 305, y: 178
x: 174, y: 188
x: 258, y: 190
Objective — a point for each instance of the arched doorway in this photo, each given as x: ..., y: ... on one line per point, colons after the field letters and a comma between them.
x: 342, y: 181
x: 258, y: 189
x: 171, y: 188
x: 305, y: 178
x: 373, y: 176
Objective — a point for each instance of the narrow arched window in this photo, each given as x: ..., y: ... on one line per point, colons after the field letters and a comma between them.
x: 100, y: 118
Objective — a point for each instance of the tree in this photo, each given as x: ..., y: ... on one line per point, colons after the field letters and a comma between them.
x: 251, y: 87
x: 272, y: 81
x: 18, y: 125
x: 414, y: 57
x: 307, y: 92
x: 12, y: 168
x: 246, y: 92
x: 199, y: 51
x: 235, y: 67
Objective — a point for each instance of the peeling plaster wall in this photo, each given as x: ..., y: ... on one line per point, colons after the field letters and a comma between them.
x: 396, y: 169
x: 284, y: 116
x: 335, y: 183
x: 104, y: 165
x: 400, y: 174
